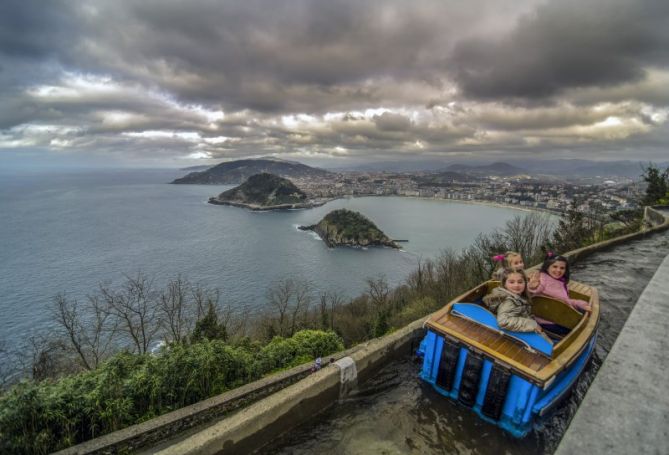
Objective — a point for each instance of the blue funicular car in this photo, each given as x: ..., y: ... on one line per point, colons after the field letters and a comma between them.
x: 508, y: 378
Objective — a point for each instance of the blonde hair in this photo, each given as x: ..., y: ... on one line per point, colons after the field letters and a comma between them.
x: 507, y: 258
x: 504, y: 260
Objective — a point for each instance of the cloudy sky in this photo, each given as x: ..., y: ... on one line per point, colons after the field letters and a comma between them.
x: 177, y: 83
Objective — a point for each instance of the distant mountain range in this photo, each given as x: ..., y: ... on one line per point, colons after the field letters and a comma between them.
x: 498, y: 168
x: 561, y: 168
x: 234, y: 172
x: 587, y: 168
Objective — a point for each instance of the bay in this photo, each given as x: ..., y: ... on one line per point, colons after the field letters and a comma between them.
x: 68, y: 232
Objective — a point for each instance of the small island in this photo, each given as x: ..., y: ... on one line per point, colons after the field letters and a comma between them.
x: 347, y: 228
x: 265, y: 192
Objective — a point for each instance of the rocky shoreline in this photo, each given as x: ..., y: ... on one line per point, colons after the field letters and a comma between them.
x: 346, y: 228
x: 260, y: 208
x: 348, y: 242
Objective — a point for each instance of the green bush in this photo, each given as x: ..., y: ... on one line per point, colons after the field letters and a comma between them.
x: 300, y: 348
x: 41, y: 417
x: 418, y: 308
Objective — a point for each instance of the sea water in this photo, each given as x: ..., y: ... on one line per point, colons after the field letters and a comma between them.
x: 69, y: 232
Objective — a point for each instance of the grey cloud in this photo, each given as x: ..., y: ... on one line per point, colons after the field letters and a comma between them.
x: 269, y: 56
x: 392, y: 122
x: 563, y: 45
x: 32, y: 29
x: 260, y: 59
x: 651, y: 90
x: 512, y: 119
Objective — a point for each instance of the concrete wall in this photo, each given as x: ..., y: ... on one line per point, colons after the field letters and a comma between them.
x: 653, y: 216
x: 261, y: 422
x: 163, y: 427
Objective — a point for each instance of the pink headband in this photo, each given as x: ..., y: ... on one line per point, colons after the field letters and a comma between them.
x: 498, y: 258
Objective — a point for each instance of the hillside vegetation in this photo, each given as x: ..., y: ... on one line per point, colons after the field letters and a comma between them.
x: 235, y: 172
x: 42, y: 417
x: 348, y: 228
x: 264, y: 190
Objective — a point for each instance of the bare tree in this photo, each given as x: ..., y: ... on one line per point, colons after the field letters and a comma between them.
x: 301, y: 305
x: 378, y: 291
x: 527, y: 235
x: 67, y: 315
x: 325, y: 316
x: 279, y: 297
x: 422, y: 275
x: 89, y: 330
x: 289, y: 302
x: 329, y: 303
x: 47, y: 357
x: 451, y: 277
x: 234, y: 322
x: 7, y: 365
x: 136, y: 309
x: 177, y: 310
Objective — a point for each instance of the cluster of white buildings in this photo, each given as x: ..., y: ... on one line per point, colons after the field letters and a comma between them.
x: 553, y: 196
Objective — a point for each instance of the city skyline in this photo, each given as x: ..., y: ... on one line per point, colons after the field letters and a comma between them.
x: 175, y: 84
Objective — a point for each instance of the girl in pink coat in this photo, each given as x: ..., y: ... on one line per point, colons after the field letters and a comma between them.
x: 552, y: 281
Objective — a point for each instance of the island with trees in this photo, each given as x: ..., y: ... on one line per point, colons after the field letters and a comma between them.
x: 348, y: 228
x: 265, y: 192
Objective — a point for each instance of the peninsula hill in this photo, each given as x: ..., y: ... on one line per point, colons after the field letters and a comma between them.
x: 264, y: 192
x: 236, y: 172
x: 347, y: 228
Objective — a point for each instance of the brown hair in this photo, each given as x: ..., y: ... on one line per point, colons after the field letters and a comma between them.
x: 505, y: 274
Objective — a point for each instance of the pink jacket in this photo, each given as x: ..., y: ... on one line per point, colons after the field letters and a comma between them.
x: 556, y: 289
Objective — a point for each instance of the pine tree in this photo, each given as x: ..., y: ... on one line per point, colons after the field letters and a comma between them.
x: 574, y: 230
x: 208, y: 327
x: 658, y: 185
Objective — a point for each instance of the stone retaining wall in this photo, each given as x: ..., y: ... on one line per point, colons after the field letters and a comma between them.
x: 653, y: 216
x: 261, y: 422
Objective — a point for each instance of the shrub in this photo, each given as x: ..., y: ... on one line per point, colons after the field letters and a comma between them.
x: 41, y: 417
x: 418, y: 308
x: 300, y: 348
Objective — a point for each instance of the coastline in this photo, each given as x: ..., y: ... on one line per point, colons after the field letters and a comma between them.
x: 261, y: 208
x: 460, y: 201
x: 332, y: 244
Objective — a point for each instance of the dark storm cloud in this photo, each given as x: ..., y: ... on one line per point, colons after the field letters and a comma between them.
x: 226, y: 79
x: 293, y: 55
x: 262, y: 55
x: 32, y: 29
x: 566, y: 44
